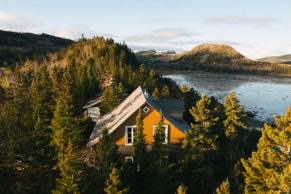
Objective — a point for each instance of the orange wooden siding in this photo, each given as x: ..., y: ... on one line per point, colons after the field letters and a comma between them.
x: 150, y: 119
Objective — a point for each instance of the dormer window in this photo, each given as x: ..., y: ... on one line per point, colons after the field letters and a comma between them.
x: 146, y: 109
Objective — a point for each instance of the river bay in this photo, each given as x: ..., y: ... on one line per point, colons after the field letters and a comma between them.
x: 263, y: 95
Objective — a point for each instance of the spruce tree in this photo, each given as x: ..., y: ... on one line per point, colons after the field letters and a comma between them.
x: 113, y: 184
x: 140, y: 165
x: 200, y: 147
x: 159, y: 139
x: 105, y: 157
x: 184, y: 88
x: 182, y: 189
x: 224, y: 188
x: 2, y: 93
x: 156, y: 94
x: 268, y: 169
x: 72, y: 174
x: 65, y: 123
x: 139, y: 145
x: 234, y: 115
x: 110, y: 99
x: 159, y: 158
x: 234, y: 129
x: 165, y: 93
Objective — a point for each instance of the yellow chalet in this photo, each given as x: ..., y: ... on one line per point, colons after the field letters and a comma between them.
x: 121, y: 121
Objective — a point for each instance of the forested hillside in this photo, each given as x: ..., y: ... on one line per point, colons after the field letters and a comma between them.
x: 210, y: 58
x: 43, y: 132
x: 16, y: 47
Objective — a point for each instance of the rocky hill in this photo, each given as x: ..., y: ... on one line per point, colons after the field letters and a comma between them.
x: 210, y: 58
x: 285, y: 59
x: 16, y: 46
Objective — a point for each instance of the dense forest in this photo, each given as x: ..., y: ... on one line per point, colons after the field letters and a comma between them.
x: 44, y: 131
x: 211, y: 58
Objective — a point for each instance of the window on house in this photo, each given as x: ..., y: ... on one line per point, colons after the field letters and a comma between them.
x: 129, y: 132
x: 166, y: 132
x: 129, y: 159
x: 146, y: 109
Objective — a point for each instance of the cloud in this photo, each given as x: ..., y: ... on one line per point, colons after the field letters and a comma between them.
x: 241, y: 20
x: 75, y: 32
x: 162, y: 34
x: 16, y: 23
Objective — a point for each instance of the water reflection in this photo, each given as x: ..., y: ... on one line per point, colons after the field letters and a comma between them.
x: 264, y: 95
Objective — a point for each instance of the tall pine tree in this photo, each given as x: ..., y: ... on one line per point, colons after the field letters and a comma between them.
x: 72, y: 176
x: 268, y: 170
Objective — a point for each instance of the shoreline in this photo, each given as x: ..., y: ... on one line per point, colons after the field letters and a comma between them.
x: 176, y: 72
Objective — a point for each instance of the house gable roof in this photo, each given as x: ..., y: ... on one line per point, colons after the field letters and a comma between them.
x: 93, y: 101
x: 122, y: 112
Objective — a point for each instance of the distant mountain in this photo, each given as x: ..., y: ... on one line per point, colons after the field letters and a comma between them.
x: 16, y: 46
x: 286, y: 59
x: 210, y: 58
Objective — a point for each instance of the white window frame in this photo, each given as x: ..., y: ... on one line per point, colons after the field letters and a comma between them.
x: 166, y: 133
x: 128, y: 158
x: 144, y: 109
x: 132, y: 135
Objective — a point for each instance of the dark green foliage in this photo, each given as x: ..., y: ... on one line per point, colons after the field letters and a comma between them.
x: 201, y: 148
x: 159, y: 159
x: 165, y: 93
x: 139, y: 145
x: 113, y: 184
x: 2, y: 94
x: 224, y: 188
x: 189, y: 97
x: 156, y: 94
x: 72, y: 177
x: 111, y: 97
x: 268, y: 169
x: 105, y: 158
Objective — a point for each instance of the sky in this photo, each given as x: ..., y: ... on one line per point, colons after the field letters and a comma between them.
x: 256, y: 28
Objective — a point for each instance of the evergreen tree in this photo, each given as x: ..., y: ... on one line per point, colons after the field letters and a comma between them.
x: 268, y: 169
x: 234, y: 115
x: 159, y: 158
x: 105, y: 157
x: 2, y: 94
x: 72, y: 178
x: 190, y: 98
x: 165, y: 92
x: 113, y: 184
x: 201, y: 147
x: 156, y: 94
x: 237, y: 179
x: 139, y: 145
x: 65, y: 124
x: 234, y: 129
x: 204, y: 128
x: 159, y: 140
x: 224, y: 188
x: 184, y: 88
x: 110, y: 99
x: 182, y: 189
x: 140, y: 158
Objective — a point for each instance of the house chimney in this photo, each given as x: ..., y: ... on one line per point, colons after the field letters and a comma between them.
x: 146, y: 93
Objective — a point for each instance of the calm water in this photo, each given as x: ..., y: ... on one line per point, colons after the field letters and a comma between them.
x: 264, y: 95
